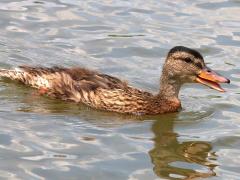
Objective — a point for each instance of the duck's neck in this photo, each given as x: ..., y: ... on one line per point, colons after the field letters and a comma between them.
x: 167, y: 98
x: 169, y: 88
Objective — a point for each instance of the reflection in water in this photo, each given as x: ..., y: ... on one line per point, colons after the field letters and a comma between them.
x: 168, y: 152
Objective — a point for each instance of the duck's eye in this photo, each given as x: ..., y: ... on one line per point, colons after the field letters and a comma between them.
x: 187, y: 60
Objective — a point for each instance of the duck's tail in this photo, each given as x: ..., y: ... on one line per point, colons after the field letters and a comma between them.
x: 31, y: 76
x: 13, y: 74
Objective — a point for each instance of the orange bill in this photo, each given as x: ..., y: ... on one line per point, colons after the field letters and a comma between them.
x: 211, y: 79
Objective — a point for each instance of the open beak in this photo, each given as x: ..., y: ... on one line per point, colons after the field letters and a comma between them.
x: 211, y: 79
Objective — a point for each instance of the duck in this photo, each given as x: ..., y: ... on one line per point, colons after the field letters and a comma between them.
x: 108, y: 93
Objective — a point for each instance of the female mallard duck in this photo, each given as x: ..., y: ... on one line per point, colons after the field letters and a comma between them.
x: 101, y: 91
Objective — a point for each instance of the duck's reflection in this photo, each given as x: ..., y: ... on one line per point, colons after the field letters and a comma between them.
x: 169, y: 156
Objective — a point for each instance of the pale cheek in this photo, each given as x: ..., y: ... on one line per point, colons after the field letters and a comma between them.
x: 188, y: 78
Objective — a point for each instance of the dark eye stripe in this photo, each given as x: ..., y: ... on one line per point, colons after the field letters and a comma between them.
x: 189, y: 60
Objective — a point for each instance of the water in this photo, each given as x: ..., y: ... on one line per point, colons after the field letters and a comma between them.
x: 42, y: 138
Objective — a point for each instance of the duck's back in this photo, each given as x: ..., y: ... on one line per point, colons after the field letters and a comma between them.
x: 43, y: 77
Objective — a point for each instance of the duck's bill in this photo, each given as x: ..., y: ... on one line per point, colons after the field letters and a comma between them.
x: 211, y: 79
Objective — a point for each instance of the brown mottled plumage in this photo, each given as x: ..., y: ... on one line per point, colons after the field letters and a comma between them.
x: 105, y: 92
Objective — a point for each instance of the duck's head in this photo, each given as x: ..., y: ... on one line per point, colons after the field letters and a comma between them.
x: 185, y: 65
